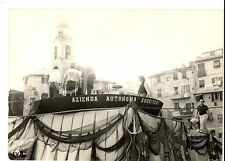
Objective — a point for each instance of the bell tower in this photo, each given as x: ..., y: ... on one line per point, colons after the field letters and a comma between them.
x: 62, y: 48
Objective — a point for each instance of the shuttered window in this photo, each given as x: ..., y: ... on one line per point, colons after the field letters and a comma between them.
x: 201, y: 70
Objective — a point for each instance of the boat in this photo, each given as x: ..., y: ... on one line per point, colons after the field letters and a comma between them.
x: 103, y: 127
x: 80, y: 124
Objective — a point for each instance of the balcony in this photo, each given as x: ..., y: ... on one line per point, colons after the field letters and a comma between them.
x: 181, y: 96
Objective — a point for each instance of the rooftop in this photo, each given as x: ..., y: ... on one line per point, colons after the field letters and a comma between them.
x: 172, y: 71
x: 40, y: 72
x: 214, y: 54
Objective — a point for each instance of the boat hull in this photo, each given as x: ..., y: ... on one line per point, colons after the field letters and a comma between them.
x: 95, y: 102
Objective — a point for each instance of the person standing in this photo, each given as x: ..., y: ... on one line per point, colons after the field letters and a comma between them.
x: 144, y: 90
x: 90, y: 80
x: 88, y: 75
x: 202, y: 112
x: 71, y: 80
x: 54, y: 82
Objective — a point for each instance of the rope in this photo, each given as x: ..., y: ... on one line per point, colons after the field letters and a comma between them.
x: 106, y: 132
x: 78, y: 150
x: 56, y: 147
x: 46, y: 143
x: 97, y: 109
x: 67, y: 155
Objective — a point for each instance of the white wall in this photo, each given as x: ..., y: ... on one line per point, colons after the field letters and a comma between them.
x: 167, y: 87
x: 36, y: 81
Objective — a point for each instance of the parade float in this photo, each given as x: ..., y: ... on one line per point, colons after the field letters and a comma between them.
x: 105, y: 127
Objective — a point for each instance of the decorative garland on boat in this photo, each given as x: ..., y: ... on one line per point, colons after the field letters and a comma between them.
x: 212, y: 149
x: 138, y: 136
x: 125, y: 138
x: 20, y: 127
x: 153, y: 138
x: 74, y: 139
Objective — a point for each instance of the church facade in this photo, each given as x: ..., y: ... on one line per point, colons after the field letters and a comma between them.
x: 62, y: 55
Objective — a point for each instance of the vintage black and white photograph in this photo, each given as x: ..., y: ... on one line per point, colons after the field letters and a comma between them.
x: 115, y: 84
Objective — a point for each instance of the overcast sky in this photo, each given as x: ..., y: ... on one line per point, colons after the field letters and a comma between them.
x: 120, y: 44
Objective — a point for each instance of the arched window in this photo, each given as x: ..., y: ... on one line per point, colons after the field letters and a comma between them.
x: 67, y: 52
x: 55, y: 52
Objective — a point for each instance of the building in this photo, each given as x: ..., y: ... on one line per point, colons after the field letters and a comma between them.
x: 15, y: 102
x: 175, y: 88
x: 62, y: 55
x: 181, y: 89
x: 209, y: 77
x: 209, y: 80
x: 102, y: 86
x: 37, y: 80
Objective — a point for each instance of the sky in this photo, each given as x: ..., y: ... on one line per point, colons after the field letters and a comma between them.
x: 120, y: 44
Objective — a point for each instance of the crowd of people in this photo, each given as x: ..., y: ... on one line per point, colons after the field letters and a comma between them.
x: 74, y: 82
x: 77, y: 82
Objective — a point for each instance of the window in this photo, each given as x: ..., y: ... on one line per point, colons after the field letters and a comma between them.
x: 201, y: 84
x: 220, y: 135
x: 210, y: 116
x: 167, y: 78
x: 188, y: 107
x: 217, y: 96
x: 192, y: 105
x: 185, y: 89
x: 159, y: 93
x: 201, y: 70
x: 175, y: 77
x: 212, y: 97
x: 216, y: 63
x: 221, y: 96
x: 220, y: 118
x: 67, y: 52
x: 182, y: 89
x: 175, y: 90
x: 44, y: 80
x: 198, y: 97
x: 55, y: 52
x: 158, y: 79
x: 176, y: 105
x: 184, y: 74
x: 212, y: 53
x: 217, y: 81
